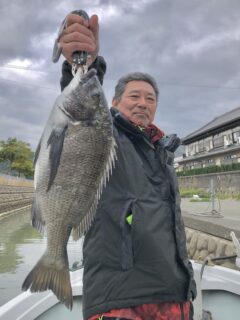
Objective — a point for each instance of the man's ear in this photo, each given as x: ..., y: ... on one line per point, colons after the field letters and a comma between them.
x: 114, y: 103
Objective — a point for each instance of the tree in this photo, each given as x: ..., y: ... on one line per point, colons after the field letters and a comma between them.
x: 19, y: 156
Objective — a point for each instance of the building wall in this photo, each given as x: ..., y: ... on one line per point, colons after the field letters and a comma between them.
x: 202, y: 153
x: 229, y: 156
x: 223, y: 139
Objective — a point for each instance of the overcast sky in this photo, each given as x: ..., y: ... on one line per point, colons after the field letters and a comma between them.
x: 191, y: 47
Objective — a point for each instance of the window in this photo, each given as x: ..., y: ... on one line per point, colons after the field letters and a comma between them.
x: 218, y: 141
x: 236, y: 136
x: 200, y: 146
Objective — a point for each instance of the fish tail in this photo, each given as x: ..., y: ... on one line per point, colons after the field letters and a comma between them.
x: 53, y: 275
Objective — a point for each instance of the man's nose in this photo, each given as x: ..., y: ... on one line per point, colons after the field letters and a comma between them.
x: 142, y: 102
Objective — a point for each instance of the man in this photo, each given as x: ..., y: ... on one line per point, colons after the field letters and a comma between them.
x: 135, y: 259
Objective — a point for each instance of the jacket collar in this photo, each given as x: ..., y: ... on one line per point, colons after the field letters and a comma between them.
x: 170, y: 142
x: 122, y: 122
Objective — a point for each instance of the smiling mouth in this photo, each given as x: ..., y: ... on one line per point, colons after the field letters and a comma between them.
x: 140, y: 114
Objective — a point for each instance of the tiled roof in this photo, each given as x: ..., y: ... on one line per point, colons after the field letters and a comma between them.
x: 220, y: 121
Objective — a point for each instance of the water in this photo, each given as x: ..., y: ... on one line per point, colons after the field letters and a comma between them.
x: 20, y: 248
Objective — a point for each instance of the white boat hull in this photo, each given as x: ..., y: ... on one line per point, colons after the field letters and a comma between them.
x: 218, y: 293
x: 44, y: 305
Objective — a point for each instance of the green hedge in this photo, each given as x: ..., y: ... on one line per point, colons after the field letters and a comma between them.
x: 211, y: 169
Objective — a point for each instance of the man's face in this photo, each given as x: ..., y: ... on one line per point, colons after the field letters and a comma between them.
x: 138, y: 103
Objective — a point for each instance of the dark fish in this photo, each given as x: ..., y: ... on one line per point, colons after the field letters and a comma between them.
x: 73, y: 161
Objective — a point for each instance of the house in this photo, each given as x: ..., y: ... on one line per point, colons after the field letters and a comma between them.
x: 216, y: 143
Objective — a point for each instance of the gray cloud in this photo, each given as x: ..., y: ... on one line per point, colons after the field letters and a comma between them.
x: 190, y: 47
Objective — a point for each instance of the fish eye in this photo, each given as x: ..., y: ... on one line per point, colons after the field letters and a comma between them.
x: 95, y: 94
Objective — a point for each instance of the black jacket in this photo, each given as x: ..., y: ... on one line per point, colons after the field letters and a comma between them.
x: 145, y: 262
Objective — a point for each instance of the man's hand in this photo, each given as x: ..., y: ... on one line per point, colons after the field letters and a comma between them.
x: 80, y: 35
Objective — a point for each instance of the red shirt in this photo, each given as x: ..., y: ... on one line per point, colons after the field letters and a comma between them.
x: 150, y: 311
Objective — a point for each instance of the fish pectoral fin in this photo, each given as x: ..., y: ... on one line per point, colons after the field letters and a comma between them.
x: 37, y: 152
x: 36, y: 215
x: 55, y: 141
x: 47, y: 275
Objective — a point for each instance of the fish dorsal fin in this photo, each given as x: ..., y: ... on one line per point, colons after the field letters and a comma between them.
x: 88, y: 218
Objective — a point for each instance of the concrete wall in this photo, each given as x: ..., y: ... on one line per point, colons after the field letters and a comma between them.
x: 14, y: 193
x: 227, y: 183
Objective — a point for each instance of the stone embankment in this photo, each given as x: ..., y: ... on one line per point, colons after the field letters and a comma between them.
x: 202, y: 246
x: 15, y: 194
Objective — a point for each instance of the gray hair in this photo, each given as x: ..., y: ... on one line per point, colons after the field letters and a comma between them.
x: 134, y: 76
